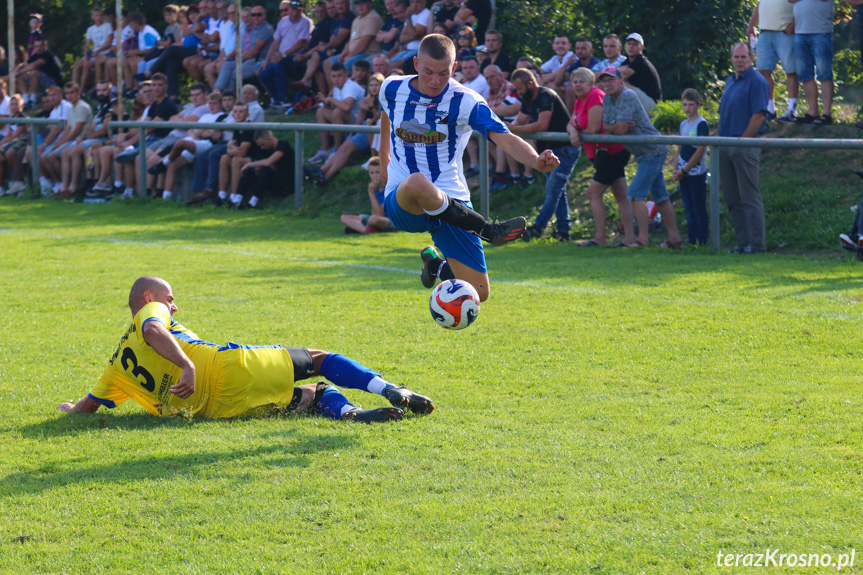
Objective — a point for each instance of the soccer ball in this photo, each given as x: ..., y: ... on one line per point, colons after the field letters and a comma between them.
x: 454, y: 304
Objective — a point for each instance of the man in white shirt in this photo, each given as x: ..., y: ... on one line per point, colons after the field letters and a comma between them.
x: 78, y: 116
x: 339, y: 107
x: 472, y: 78
x: 562, y: 52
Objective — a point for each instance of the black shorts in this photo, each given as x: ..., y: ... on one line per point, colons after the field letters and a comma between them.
x: 609, y: 167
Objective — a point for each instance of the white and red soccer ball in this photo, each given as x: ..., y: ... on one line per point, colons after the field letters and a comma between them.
x: 454, y: 304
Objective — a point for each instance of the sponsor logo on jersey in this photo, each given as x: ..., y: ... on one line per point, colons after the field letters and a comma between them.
x: 413, y: 132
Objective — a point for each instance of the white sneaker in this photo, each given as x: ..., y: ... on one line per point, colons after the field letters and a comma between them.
x: 320, y: 156
x: 45, y: 183
x: 16, y: 187
x: 128, y: 195
x: 366, y: 165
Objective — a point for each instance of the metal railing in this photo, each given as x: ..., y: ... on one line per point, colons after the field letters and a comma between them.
x: 714, y: 143
x: 34, y: 137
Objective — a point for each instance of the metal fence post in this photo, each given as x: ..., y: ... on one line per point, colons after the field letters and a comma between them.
x: 142, y: 157
x: 714, y: 198
x: 483, y: 176
x: 298, y: 169
x: 34, y: 159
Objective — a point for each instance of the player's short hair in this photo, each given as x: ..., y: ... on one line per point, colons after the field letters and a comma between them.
x: 159, y: 77
x: 691, y: 95
x: 437, y: 47
x: 375, y: 161
x: 583, y: 73
x: 524, y: 75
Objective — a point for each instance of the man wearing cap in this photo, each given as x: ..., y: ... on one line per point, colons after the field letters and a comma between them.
x: 775, y: 21
x: 622, y: 114
x: 363, y: 43
x: 639, y: 74
x: 292, y: 33
x: 741, y: 115
x: 542, y: 110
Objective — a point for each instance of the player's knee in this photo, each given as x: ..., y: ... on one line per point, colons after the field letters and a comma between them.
x: 484, y: 291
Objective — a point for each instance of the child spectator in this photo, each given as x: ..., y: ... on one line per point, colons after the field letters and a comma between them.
x: 35, y: 33
x: 378, y: 220
x: 147, y: 38
x: 691, y: 169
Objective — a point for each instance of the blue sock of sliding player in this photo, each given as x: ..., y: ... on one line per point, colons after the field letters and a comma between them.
x: 333, y: 404
x: 351, y: 374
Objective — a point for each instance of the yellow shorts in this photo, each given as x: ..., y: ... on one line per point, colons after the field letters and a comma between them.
x: 247, y: 380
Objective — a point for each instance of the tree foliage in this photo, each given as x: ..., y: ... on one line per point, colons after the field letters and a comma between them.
x: 689, y: 41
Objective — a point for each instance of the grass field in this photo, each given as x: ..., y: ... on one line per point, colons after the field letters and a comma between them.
x: 609, y: 412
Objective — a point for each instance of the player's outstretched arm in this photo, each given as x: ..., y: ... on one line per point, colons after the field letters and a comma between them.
x: 524, y: 153
x: 161, y: 340
x: 84, y: 405
x: 384, y: 151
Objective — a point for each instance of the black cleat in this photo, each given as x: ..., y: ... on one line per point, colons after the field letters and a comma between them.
x: 405, y: 398
x: 428, y: 254
x: 380, y: 415
x: 501, y: 233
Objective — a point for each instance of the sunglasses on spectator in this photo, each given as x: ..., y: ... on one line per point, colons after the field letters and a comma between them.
x: 257, y: 13
x: 284, y: 9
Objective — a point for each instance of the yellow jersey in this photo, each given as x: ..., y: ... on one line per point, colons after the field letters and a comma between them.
x: 230, y: 380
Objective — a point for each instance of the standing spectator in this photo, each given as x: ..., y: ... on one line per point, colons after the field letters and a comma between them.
x: 542, y: 110
x: 813, y: 52
x: 496, y: 55
x: 775, y: 22
x: 378, y: 220
x: 340, y: 106
x: 362, y: 44
x: 477, y: 14
x: 741, y: 115
x: 292, y: 33
x: 413, y: 32
x: 691, y: 169
x: 40, y: 72
x: 640, y: 75
x: 609, y: 160
x: 562, y: 53
x: 97, y: 43
x: 622, y: 114
x: 256, y: 42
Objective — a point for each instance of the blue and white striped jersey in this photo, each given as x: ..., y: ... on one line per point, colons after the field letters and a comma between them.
x: 429, y: 135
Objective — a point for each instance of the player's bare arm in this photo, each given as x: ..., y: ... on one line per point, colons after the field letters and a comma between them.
x: 523, y: 152
x: 161, y: 340
x: 384, y: 151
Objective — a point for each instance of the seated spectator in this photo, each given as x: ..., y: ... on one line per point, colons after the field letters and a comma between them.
x: 496, y: 55
x: 369, y: 115
x: 639, y: 74
x: 412, y: 33
x: 249, y: 96
x: 340, y: 106
x: 60, y: 109
x: 443, y: 13
x: 12, y: 148
x: 360, y: 72
x: 389, y: 34
x: 183, y: 153
x: 79, y: 120
x: 563, y: 56
x: 147, y: 38
x: 609, y: 160
x: 382, y: 66
x: 72, y: 158
x: 206, y: 178
x: 235, y: 157
x: 98, y: 42
x: 340, y: 31
x: 170, y: 62
x: 35, y: 34
x: 472, y: 78
x: 208, y: 49
x: 40, y: 72
x: 227, y: 45
x: 504, y: 102
x: 256, y: 41
x: 378, y: 220
x: 465, y: 43
x: 272, y: 170
x: 582, y: 58
x: 362, y: 44
x: 611, y: 49
x: 476, y: 14
x: 128, y: 41
x: 280, y: 63
x: 481, y: 53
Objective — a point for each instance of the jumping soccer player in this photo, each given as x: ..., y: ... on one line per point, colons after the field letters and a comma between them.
x: 168, y: 370
x: 426, y: 124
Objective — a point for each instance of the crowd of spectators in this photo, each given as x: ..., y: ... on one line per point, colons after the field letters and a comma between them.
x: 336, y: 62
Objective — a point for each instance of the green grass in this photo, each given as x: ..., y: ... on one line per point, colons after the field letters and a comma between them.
x: 610, y: 411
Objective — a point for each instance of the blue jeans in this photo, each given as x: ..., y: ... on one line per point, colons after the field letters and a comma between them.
x: 207, y: 168
x: 693, y: 189
x: 555, y: 191
x: 814, y: 53
x: 275, y: 78
x: 649, y: 179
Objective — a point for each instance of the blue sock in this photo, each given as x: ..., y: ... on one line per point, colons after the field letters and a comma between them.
x: 351, y: 374
x: 333, y: 404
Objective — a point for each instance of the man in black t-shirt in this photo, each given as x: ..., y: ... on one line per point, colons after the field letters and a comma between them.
x: 496, y: 55
x: 639, y: 74
x: 443, y: 12
x: 40, y: 72
x: 479, y: 12
x: 272, y: 171
x: 542, y: 110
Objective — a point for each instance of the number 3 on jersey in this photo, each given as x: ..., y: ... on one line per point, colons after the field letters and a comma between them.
x: 129, y: 357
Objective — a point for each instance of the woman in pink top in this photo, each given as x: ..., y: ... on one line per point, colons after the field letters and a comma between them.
x: 609, y: 160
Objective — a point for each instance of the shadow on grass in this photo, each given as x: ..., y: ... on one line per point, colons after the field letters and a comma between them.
x: 288, y: 448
